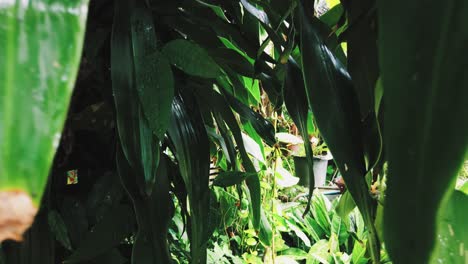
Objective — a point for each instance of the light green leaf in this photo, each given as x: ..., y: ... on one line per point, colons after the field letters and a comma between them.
x: 41, y: 43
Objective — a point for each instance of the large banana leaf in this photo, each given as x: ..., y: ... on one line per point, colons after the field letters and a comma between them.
x: 41, y: 44
x: 331, y: 96
x: 426, y: 133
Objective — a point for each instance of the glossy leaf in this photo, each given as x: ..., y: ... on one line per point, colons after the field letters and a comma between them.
x: 234, y: 60
x: 427, y: 86
x: 190, y: 140
x: 262, y: 126
x: 138, y: 143
x: 152, y: 213
x: 331, y: 96
x: 295, y: 99
x: 364, y: 70
x: 191, y: 58
x: 41, y: 47
x: 224, y: 115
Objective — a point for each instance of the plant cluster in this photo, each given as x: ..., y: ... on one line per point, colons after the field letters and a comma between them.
x: 171, y: 147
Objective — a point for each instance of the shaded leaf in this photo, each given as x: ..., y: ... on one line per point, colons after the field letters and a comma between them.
x: 106, y: 234
x: 426, y: 86
x: 59, y: 229
x: 190, y: 141
x: 230, y: 178
x: 337, y: 118
x: 191, y: 58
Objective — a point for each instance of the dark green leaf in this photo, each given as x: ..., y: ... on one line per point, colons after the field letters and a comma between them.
x: 153, y: 213
x: 59, y: 229
x: 295, y: 99
x: 223, y: 115
x: 106, y: 234
x: 426, y: 133
x: 110, y: 257
x: 262, y: 126
x: 234, y: 60
x: 190, y: 141
x: 191, y: 58
x: 138, y: 143
x: 230, y: 178
x: 337, y: 117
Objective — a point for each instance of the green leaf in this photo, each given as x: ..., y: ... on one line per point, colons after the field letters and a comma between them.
x: 262, y: 126
x: 452, y: 234
x: 364, y: 71
x: 41, y: 44
x: 191, y: 58
x: 224, y: 115
x: 106, y: 234
x: 191, y: 148
x: 59, y: 229
x: 153, y: 213
x: 318, y: 253
x: 295, y: 99
x: 234, y: 60
x: 358, y: 253
x: 332, y: 16
x: 295, y: 253
x: 230, y: 178
x: 426, y: 135
x: 265, y: 235
x: 138, y: 143
x: 112, y: 256
x: 345, y: 205
x: 251, y: 241
x: 337, y: 118
x: 338, y: 227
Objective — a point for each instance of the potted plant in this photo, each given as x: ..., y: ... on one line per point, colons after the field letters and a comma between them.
x: 296, y: 149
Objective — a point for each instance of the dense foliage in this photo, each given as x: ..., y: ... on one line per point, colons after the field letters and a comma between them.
x: 176, y: 130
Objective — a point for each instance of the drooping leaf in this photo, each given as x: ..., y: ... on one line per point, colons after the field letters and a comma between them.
x: 41, y: 47
x: 138, y: 143
x: 265, y: 235
x: 224, y: 115
x: 331, y: 96
x: 59, y: 229
x: 425, y: 133
x: 262, y: 126
x: 295, y: 99
x: 190, y: 141
x: 106, y: 234
x: 152, y: 213
x: 234, y: 60
x: 364, y: 70
x: 191, y: 58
